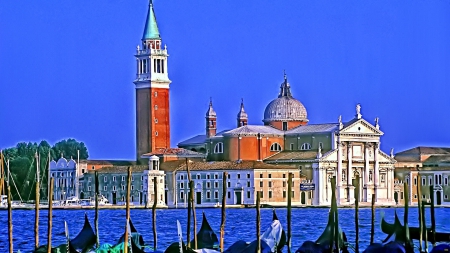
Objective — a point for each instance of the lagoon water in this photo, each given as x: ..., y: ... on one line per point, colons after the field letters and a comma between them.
x: 307, y: 224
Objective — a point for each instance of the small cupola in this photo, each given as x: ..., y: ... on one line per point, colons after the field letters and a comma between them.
x: 153, y: 162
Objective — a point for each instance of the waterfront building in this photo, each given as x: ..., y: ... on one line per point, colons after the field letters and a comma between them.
x: 345, y: 149
x: 64, y: 174
x: 113, y: 184
x: 422, y: 167
x: 244, y: 180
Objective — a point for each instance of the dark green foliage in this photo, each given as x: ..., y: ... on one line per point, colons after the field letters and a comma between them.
x: 22, y: 165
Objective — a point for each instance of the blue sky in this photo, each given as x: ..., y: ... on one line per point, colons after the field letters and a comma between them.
x: 67, y: 67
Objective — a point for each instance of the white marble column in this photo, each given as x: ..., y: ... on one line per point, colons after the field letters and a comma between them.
x: 366, y: 172
x: 349, y: 172
x: 339, y: 172
x: 376, y: 169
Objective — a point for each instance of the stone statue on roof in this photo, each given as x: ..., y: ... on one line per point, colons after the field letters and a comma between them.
x: 392, y: 152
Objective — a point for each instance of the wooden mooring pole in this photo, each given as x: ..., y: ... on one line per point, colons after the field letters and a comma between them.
x: 357, y: 214
x: 191, y: 191
x: 372, y: 221
x: 97, y: 182
x: 424, y: 227
x: 258, y: 222
x: 37, y: 198
x: 224, y: 202
x: 289, y: 212
x: 189, y: 207
x: 10, y: 224
x: 419, y: 207
x: 408, y: 245
x: 50, y: 218
x: 155, y: 202
x: 125, y: 246
x: 433, y: 220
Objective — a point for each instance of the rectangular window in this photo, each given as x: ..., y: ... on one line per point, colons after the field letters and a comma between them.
x: 260, y: 175
x: 270, y: 175
x: 198, y: 176
x: 415, y: 196
x: 216, y: 176
x: 445, y: 180
x: 238, y: 176
x: 284, y: 184
x: 132, y: 178
x: 261, y: 194
x: 430, y: 180
x: 284, y: 175
x: 440, y: 179
x: 292, y: 194
x: 162, y: 66
x: 248, y: 194
x: 270, y: 184
x: 208, y: 176
x: 142, y: 187
x: 248, y: 175
x: 228, y: 184
x: 320, y: 145
x: 181, y: 195
x: 181, y: 185
x: 285, y: 126
x: 261, y: 184
x: 105, y: 188
x: 229, y: 195
x: 114, y: 179
x: 142, y: 178
x: 248, y: 183
x: 270, y: 194
x: 216, y: 184
x: 89, y: 188
x: 216, y: 195
x: 105, y: 179
x: 284, y: 194
x: 424, y: 181
x: 114, y: 188
x: 123, y: 187
x: 383, y: 178
x: 229, y: 176
x: 208, y: 194
x: 292, y: 146
x: 445, y: 196
x: 132, y: 187
x: 415, y: 180
x: 208, y: 185
x: 435, y: 179
x: 423, y: 196
x: 181, y: 177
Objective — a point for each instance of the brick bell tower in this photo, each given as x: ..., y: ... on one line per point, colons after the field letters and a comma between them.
x: 152, y: 90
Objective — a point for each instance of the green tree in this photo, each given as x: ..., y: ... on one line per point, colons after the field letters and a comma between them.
x: 69, y: 148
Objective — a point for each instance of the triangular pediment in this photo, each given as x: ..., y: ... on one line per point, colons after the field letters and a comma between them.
x: 385, y: 158
x: 329, y: 156
x: 361, y: 126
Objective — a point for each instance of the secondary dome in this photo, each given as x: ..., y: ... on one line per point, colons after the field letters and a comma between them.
x: 285, y: 107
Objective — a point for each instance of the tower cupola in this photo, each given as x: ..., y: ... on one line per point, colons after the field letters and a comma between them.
x: 242, y: 117
x: 211, y: 120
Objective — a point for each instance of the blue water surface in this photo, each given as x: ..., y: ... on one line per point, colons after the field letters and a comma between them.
x: 307, y: 224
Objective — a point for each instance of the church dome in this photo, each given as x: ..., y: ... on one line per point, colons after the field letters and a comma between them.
x: 285, y: 107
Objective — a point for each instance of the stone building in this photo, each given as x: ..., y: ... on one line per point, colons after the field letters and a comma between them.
x: 64, y: 175
x: 347, y: 150
x: 244, y: 179
x: 422, y: 167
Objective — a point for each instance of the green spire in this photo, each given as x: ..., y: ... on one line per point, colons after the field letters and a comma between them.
x: 151, y: 27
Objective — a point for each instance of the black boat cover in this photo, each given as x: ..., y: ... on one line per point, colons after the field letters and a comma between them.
x: 86, y: 239
x: 397, y: 230
x: 242, y: 247
x: 206, y: 237
x: 135, y: 236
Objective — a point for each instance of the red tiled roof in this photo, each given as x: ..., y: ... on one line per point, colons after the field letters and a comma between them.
x: 174, y: 152
x: 180, y: 165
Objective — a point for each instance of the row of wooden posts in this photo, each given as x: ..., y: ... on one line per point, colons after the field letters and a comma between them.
x: 191, y: 212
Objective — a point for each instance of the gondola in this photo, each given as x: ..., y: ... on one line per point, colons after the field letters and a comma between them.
x: 86, y: 239
x: 206, y: 237
x: 63, y: 248
x: 136, y: 237
x: 283, y: 238
x: 398, y: 230
x: 322, y: 244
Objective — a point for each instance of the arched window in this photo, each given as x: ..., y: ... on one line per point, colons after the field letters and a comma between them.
x: 218, y: 148
x: 275, y: 147
x: 305, y: 146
